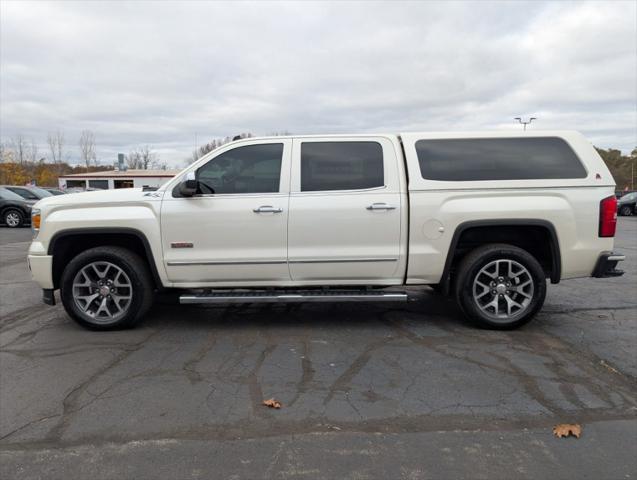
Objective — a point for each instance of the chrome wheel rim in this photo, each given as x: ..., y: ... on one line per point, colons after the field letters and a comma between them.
x: 12, y: 219
x: 102, y: 291
x: 503, y: 290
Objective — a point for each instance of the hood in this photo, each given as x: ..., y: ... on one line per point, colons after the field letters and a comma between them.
x: 122, y: 195
x: 24, y: 204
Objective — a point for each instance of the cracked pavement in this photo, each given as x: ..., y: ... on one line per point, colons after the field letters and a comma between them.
x: 368, y: 390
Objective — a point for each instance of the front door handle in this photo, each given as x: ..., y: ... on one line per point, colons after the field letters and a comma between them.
x: 380, y: 206
x: 267, y: 209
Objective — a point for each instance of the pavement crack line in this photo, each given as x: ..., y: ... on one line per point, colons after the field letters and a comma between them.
x: 307, y: 371
x: 529, y: 381
x: 588, y: 309
x: 345, y: 379
x: 69, y: 403
x: 190, y: 367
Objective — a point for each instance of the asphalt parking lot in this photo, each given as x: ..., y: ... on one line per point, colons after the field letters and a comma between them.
x: 368, y: 390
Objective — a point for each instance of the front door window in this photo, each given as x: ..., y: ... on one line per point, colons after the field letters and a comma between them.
x: 249, y: 169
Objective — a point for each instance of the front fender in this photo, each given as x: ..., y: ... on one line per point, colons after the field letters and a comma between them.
x: 141, y: 220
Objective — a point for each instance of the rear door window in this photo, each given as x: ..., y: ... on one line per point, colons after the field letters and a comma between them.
x: 474, y: 159
x: 341, y: 166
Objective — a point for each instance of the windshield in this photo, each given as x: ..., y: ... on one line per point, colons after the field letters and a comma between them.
x: 40, y: 192
x: 9, y: 195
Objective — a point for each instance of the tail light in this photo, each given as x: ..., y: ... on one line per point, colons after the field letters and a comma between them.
x: 608, y: 216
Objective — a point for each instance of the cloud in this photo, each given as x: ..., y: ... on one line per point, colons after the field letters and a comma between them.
x: 160, y: 72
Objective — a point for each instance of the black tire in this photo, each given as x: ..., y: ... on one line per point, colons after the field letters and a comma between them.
x: 471, y: 267
x: 10, y: 215
x: 626, y: 211
x: 132, y: 265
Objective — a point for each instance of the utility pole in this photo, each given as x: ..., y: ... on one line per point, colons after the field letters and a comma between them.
x: 522, y: 122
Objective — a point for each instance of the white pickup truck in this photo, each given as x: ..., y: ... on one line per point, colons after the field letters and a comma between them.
x: 486, y: 217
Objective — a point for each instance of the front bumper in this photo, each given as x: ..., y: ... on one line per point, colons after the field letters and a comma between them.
x: 41, y: 267
x: 606, y: 265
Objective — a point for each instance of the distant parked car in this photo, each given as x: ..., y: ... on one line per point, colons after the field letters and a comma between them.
x: 620, y: 193
x: 54, y: 191
x: 626, y: 204
x: 30, y: 194
x: 14, y: 210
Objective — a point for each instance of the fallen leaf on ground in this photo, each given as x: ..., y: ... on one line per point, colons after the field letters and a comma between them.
x: 607, y: 366
x: 272, y: 403
x: 566, y: 429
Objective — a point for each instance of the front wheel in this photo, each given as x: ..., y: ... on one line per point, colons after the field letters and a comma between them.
x: 500, y: 286
x: 13, y: 218
x: 106, y: 288
x: 625, y: 211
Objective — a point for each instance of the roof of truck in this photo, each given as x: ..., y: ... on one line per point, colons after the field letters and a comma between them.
x: 512, y: 132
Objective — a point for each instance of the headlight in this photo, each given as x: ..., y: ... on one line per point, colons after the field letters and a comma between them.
x: 35, y: 220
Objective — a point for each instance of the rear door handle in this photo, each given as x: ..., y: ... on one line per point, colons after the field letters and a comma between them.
x: 267, y: 209
x: 380, y: 206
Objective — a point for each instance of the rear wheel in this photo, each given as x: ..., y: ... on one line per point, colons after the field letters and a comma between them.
x: 106, y: 288
x: 625, y: 210
x: 500, y: 286
x: 13, y: 218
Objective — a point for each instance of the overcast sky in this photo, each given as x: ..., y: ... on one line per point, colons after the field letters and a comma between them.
x: 159, y: 73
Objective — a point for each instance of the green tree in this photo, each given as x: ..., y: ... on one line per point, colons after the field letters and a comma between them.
x: 620, y: 166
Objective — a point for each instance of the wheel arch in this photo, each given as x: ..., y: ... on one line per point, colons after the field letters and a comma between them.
x: 77, y: 240
x: 6, y: 208
x: 474, y: 233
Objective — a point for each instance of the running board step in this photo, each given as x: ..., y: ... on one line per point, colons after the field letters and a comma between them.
x: 294, y: 296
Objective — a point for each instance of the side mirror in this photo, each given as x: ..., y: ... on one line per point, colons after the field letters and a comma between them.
x: 188, y: 186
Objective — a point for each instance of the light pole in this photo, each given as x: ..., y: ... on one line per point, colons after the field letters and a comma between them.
x: 522, y: 122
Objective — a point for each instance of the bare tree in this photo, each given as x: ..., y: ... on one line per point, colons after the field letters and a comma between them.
x: 87, y: 147
x: 32, y: 153
x: 215, y: 143
x: 56, y: 145
x: 6, y: 155
x: 147, y: 156
x: 133, y: 159
x: 141, y: 158
x: 210, y: 146
x: 159, y: 164
x: 20, y: 148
